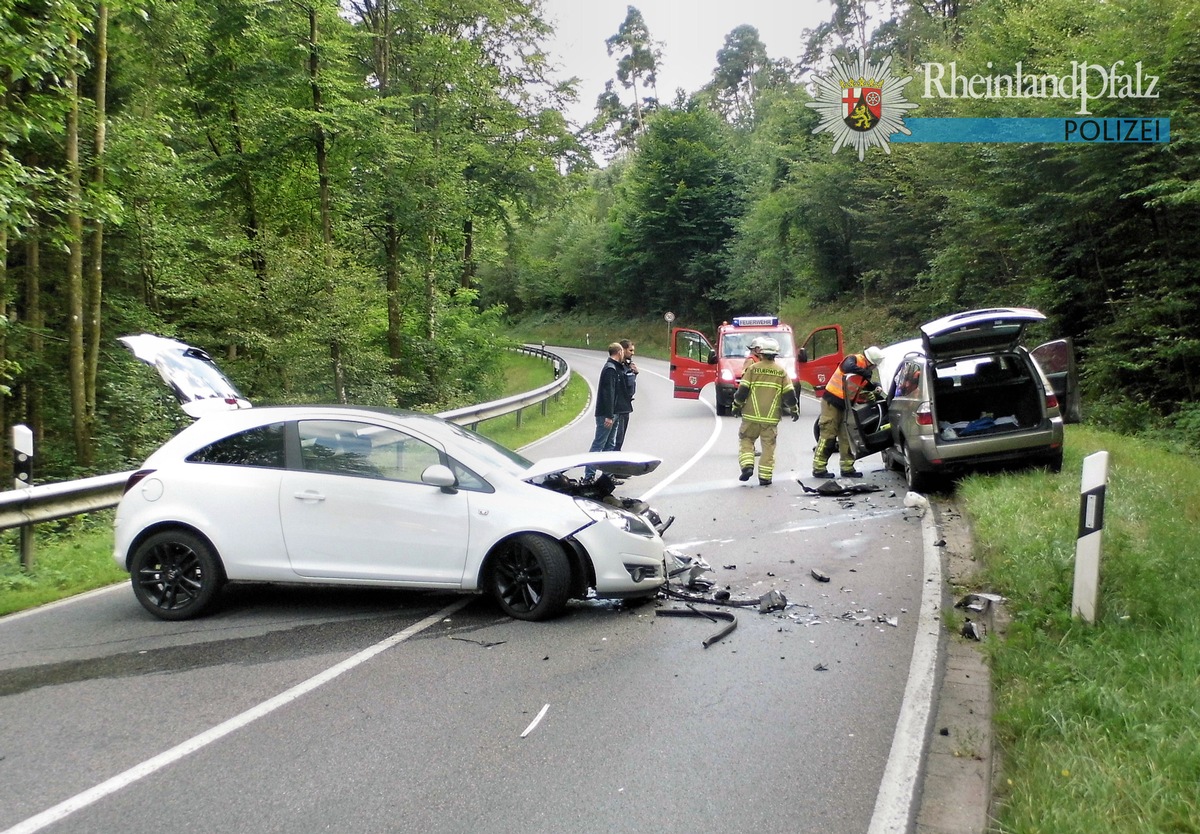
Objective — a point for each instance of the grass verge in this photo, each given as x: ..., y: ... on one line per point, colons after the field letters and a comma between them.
x: 1097, y: 724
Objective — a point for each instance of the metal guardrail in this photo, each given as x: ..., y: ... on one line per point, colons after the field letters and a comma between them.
x: 23, y: 507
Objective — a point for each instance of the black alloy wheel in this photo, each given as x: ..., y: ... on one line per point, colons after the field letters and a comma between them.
x: 531, y: 578
x: 175, y: 575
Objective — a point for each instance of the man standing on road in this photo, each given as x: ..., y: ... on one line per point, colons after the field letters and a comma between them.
x: 763, y: 396
x: 608, y: 390
x: 851, y: 381
x: 625, y: 404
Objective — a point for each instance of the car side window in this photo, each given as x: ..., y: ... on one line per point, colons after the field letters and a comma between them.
x: 350, y: 448
x: 261, y: 446
x: 908, y: 379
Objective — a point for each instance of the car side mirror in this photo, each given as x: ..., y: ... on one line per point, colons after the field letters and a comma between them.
x: 712, y: 357
x: 802, y: 356
x: 440, y: 476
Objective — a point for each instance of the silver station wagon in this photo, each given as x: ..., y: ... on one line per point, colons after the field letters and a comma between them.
x: 966, y: 395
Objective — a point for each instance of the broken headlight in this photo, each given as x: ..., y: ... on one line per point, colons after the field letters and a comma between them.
x: 620, y: 519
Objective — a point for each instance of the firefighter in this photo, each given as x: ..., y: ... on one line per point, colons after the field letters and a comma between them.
x: 763, y: 396
x: 852, y: 380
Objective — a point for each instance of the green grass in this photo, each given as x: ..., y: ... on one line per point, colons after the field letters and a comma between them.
x: 1099, y: 725
x: 64, y: 564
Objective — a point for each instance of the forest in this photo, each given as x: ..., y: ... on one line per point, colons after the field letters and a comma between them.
x: 351, y: 201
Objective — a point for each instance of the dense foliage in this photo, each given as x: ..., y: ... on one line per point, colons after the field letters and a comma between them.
x: 342, y: 199
x: 1095, y: 235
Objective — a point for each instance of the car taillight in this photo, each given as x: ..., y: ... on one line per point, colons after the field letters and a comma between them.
x: 1051, y: 400
x: 924, y: 415
x: 136, y: 478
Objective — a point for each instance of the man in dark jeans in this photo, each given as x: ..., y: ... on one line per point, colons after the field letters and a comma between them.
x: 609, y: 390
x: 625, y: 403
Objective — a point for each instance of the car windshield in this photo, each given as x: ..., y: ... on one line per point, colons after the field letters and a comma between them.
x: 489, y: 451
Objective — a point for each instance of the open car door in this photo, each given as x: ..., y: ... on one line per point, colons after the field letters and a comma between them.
x: 1057, y: 361
x: 823, y: 352
x: 693, y: 363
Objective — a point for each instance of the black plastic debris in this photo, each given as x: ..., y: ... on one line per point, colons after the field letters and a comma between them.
x: 819, y: 575
x: 487, y: 644
x: 691, y: 611
x: 972, y: 630
x: 721, y: 596
x: 772, y: 601
x: 729, y: 567
x: 820, y: 667
x: 979, y: 603
x: 839, y: 487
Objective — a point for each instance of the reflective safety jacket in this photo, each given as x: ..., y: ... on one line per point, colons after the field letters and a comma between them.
x: 858, y: 371
x: 765, y: 393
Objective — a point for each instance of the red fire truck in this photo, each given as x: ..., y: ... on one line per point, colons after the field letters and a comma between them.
x: 695, y: 362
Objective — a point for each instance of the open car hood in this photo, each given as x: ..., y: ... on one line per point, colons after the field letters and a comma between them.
x: 617, y: 464
x: 976, y: 331
x: 190, y: 372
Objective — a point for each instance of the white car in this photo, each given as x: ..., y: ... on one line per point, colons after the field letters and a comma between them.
x: 342, y: 495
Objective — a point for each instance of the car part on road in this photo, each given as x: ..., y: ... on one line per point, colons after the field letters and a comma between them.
x: 710, y: 615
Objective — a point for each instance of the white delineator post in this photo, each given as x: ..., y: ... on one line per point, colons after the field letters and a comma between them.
x: 1091, y: 526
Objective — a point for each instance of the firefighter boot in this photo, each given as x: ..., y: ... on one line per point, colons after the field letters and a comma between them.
x: 821, y: 459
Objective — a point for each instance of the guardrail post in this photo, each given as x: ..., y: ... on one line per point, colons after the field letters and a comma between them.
x: 22, y: 445
x: 1091, y: 526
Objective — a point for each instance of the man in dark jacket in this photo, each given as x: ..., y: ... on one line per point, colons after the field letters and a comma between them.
x: 625, y: 402
x: 608, y: 391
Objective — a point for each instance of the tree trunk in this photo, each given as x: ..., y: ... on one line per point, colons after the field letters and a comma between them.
x: 322, y: 152
x: 80, y: 427
x: 468, y: 271
x: 96, y: 272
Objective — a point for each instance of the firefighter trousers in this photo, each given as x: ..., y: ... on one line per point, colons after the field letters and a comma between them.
x: 750, y: 431
x: 832, y: 427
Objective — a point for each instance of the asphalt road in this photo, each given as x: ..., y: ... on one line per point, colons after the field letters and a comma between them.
x: 298, y: 710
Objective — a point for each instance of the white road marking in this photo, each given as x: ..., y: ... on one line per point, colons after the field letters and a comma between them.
x: 533, y: 724
x: 122, y: 780
x: 895, y: 802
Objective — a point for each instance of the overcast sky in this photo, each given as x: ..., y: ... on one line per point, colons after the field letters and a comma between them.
x: 690, y: 32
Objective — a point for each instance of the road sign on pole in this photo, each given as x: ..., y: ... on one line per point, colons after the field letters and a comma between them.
x: 1091, y: 526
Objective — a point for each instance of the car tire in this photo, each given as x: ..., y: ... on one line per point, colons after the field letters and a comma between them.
x: 175, y: 575
x: 531, y: 578
x: 917, y: 481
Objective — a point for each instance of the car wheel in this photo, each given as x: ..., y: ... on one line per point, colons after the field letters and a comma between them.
x: 175, y: 575
x: 917, y: 481
x: 1054, y: 464
x: 531, y: 578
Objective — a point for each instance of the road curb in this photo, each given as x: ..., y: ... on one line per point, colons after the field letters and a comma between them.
x: 957, y: 784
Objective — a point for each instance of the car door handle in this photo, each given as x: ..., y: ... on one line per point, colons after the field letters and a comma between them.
x: 310, y: 495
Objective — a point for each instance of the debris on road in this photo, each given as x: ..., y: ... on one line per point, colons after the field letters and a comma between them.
x: 692, y: 611
x: 838, y: 487
x: 916, y: 501
x: 819, y: 575
x: 972, y: 630
x: 487, y: 644
x: 772, y: 601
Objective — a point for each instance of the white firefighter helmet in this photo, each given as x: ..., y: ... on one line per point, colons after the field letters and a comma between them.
x: 769, y: 346
x: 874, y: 355
x: 756, y: 345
